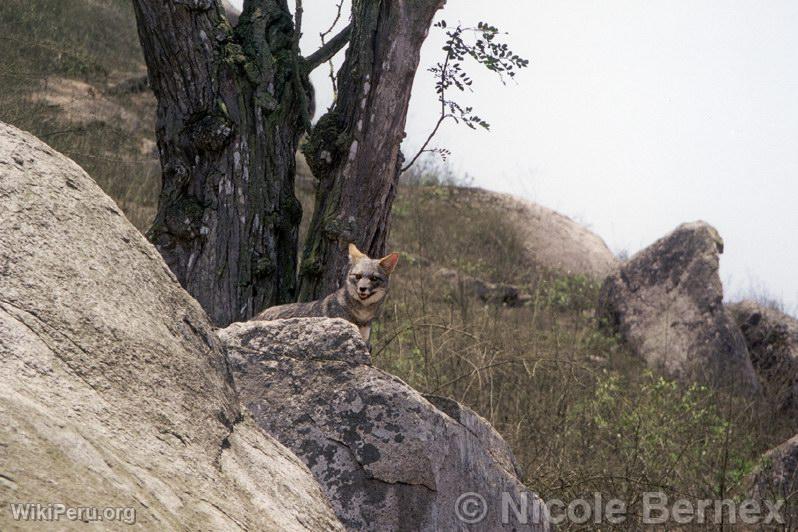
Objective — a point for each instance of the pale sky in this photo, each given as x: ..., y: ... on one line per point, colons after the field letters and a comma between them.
x: 633, y: 117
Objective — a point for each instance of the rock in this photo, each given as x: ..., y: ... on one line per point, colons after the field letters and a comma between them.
x: 551, y: 240
x: 487, y: 292
x: 480, y: 428
x: 115, y: 390
x: 666, y: 303
x: 772, y: 340
x: 776, y: 478
x: 387, y: 458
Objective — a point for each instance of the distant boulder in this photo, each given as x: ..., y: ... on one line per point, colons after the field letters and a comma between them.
x: 115, y: 390
x: 552, y: 241
x: 666, y: 303
x: 772, y: 339
x: 387, y: 458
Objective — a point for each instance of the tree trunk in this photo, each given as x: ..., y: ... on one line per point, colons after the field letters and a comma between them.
x: 231, y: 108
x: 354, y: 149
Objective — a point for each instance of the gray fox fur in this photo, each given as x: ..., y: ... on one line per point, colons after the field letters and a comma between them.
x: 357, y: 301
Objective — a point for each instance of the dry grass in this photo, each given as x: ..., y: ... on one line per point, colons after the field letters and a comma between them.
x: 581, y: 413
x: 60, y: 58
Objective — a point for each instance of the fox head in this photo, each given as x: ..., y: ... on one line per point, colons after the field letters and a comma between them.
x: 367, y: 279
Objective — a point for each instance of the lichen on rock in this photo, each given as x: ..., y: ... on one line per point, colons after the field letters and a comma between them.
x: 387, y: 458
x: 666, y: 303
x: 772, y: 340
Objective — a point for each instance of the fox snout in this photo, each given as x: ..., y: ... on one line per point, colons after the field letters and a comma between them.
x: 363, y: 288
x: 366, y: 286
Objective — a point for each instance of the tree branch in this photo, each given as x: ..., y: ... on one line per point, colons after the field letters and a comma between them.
x: 443, y: 116
x: 326, y: 52
x: 323, y: 35
x: 298, y: 11
x: 338, y: 7
x: 423, y: 148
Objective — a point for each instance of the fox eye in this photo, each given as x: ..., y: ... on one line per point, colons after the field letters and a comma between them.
x: 358, y: 277
x: 376, y: 280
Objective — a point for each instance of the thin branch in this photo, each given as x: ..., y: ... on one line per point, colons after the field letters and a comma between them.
x: 334, y: 82
x: 323, y: 35
x: 494, y: 56
x: 441, y: 119
x: 326, y: 52
x: 423, y: 148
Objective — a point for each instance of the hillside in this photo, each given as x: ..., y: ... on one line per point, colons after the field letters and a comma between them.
x: 65, y: 77
x: 580, y: 410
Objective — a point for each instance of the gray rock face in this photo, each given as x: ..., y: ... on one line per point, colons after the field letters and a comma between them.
x: 772, y: 339
x: 776, y: 478
x: 387, y: 458
x: 114, y: 391
x: 666, y: 303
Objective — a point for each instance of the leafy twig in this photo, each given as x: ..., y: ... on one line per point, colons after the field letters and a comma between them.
x: 484, y: 50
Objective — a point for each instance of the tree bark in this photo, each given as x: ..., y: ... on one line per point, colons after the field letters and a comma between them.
x: 232, y: 105
x: 354, y: 150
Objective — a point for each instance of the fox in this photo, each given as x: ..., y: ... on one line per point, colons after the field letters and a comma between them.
x: 358, y: 301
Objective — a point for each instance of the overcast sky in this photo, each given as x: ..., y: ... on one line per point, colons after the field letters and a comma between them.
x: 636, y: 116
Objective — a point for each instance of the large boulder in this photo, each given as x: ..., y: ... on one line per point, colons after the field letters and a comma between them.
x: 772, y: 340
x: 387, y: 458
x: 666, y: 302
x: 776, y: 478
x: 115, y: 391
x: 552, y: 241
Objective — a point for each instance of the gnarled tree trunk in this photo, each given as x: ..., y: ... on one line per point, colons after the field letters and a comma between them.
x: 232, y: 105
x: 231, y: 108
x: 354, y: 149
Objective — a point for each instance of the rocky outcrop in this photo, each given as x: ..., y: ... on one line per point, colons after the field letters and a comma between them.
x: 776, y: 478
x: 551, y: 240
x: 115, y: 391
x: 666, y: 302
x: 387, y: 458
x: 485, y: 291
x: 772, y: 340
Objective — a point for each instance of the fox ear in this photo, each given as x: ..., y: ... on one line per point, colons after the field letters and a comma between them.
x: 355, y: 254
x: 389, y: 263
